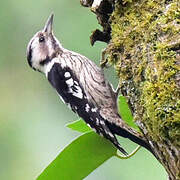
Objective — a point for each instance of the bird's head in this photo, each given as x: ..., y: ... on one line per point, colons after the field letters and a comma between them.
x: 43, y: 47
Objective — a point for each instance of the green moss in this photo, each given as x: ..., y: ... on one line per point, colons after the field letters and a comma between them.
x: 143, y: 33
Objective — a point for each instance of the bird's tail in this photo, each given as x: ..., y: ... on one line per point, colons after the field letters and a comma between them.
x: 125, y: 131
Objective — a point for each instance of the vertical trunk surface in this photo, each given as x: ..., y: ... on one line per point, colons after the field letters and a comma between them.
x: 144, y: 46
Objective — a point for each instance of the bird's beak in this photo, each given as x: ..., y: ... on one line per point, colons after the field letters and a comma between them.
x: 48, y: 25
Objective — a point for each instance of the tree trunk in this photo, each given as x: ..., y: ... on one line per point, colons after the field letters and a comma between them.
x: 143, y: 39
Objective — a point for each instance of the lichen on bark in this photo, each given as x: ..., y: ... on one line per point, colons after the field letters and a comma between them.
x: 145, y: 51
x: 144, y: 34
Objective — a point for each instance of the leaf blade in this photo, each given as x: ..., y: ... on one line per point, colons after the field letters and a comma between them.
x: 79, y: 126
x: 79, y: 158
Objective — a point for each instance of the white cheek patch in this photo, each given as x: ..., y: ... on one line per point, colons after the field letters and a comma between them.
x: 40, y: 52
x: 36, y: 55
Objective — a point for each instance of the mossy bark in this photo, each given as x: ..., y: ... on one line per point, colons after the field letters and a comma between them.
x: 145, y: 50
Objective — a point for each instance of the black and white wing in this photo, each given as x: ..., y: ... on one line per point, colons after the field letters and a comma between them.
x: 71, y: 91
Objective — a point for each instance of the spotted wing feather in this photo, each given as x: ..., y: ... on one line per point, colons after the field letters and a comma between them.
x: 71, y: 91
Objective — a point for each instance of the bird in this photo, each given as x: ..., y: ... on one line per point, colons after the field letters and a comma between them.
x: 81, y: 85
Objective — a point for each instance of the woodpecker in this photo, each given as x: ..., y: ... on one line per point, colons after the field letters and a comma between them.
x: 81, y: 85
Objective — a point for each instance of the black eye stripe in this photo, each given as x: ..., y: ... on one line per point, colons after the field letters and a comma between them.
x: 41, y: 39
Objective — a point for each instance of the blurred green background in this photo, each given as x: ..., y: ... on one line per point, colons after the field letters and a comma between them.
x: 32, y: 118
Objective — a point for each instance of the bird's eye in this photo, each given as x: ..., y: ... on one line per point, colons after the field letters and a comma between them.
x: 41, y: 39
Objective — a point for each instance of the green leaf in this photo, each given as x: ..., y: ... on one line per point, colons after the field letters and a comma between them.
x: 79, y: 158
x: 79, y: 126
x: 125, y: 112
